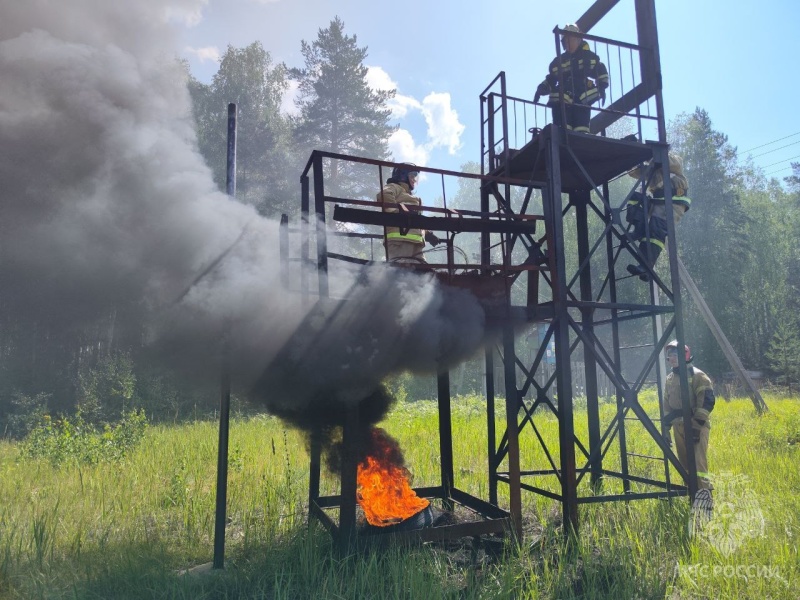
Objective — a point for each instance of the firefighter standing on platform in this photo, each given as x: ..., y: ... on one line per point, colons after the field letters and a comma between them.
x: 651, y: 246
x: 583, y: 77
x: 701, y: 400
x: 406, y: 244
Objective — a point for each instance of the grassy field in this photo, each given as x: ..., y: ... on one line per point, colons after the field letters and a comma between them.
x: 127, y: 529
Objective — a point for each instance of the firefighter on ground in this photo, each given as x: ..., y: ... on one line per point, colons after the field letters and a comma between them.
x: 655, y: 223
x: 405, y: 245
x: 578, y: 76
x: 701, y: 400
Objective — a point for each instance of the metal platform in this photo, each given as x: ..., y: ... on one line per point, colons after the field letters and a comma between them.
x: 584, y: 158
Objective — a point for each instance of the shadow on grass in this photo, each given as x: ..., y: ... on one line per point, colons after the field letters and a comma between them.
x: 302, y: 564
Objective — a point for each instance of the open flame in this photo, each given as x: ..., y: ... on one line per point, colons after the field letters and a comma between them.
x: 384, y: 491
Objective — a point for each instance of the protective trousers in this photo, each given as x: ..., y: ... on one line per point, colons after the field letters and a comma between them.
x: 657, y: 225
x: 577, y: 116
x: 650, y: 247
x: 700, y: 453
x: 399, y: 249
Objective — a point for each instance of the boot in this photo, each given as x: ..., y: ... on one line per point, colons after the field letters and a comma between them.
x: 651, y: 258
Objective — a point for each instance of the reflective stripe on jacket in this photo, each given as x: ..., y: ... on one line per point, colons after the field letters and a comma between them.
x: 699, y: 382
x: 391, y: 195
x: 575, y: 70
x: 680, y: 186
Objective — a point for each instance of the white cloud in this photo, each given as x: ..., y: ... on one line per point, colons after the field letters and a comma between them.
x: 287, y: 102
x: 189, y: 15
x: 265, y: 1
x: 378, y: 79
x: 444, y: 128
x: 400, y: 105
x: 405, y: 149
x: 204, y: 54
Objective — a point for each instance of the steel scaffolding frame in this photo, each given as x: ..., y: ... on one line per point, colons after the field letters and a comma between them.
x: 554, y: 163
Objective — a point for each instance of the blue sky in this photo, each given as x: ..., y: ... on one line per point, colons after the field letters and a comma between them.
x: 735, y: 59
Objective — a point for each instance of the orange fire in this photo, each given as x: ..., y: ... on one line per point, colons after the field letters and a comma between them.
x: 384, y: 492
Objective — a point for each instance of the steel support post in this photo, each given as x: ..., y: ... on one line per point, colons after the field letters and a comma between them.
x: 349, y: 479
x: 445, y: 437
x: 661, y: 157
x: 551, y: 202
x: 319, y: 209
x: 315, y: 451
x: 490, y: 115
x: 491, y: 428
x: 512, y: 426
x: 305, y: 203
x: 486, y: 258
x: 581, y: 201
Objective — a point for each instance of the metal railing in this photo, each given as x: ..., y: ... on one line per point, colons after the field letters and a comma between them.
x: 508, y: 122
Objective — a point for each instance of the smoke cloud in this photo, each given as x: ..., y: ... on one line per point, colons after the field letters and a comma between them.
x: 105, y: 199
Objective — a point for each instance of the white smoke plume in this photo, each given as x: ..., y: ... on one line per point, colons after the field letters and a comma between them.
x: 105, y: 199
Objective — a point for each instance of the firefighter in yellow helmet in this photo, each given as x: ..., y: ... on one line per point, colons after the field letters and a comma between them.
x: 652, y: 245
x: 406, y: 246
x: 578, y: 78
x: 701, y: 400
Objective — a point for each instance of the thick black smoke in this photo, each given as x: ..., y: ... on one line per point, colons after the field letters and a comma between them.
x: 105, y: 200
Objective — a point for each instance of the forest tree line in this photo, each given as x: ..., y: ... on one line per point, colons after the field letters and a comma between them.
x: 738, y: 241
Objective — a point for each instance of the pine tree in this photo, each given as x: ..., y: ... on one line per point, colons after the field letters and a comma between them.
x: 339, y: 111
x: 784, y: 353
x: 248, y: 77
x: 712, y: 237
x: 793, y: 180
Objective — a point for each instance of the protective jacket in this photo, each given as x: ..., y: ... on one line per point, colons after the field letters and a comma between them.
x: 701, y: 392
x: 655, y: 188
x: 577, y: 70
x: 398, y: 193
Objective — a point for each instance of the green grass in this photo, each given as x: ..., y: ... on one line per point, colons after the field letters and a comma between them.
x: 126, y: 529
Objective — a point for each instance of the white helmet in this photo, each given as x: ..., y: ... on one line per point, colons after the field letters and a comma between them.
x: 569, y: 28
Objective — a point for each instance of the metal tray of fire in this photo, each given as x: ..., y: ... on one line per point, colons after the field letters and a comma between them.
x: 461, y: 515
x: 378, y: 506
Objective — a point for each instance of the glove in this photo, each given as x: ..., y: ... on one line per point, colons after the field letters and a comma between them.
x: 602, y: 96
x: 697, y: 427
x: 699, y: 420
x: 541, y: 91
x: 701, y: 414
x: 431, y: 238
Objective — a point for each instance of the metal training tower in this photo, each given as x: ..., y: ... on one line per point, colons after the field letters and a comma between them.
x: 551, y: 247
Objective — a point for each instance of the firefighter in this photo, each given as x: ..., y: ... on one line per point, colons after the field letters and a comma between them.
x: 651, y: 247
x: 403, y: 245
x: 578, y: 76
x: 701, y: 400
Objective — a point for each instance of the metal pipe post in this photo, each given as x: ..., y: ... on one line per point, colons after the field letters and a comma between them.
x: 445, y: 437
x: 225, y: 380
